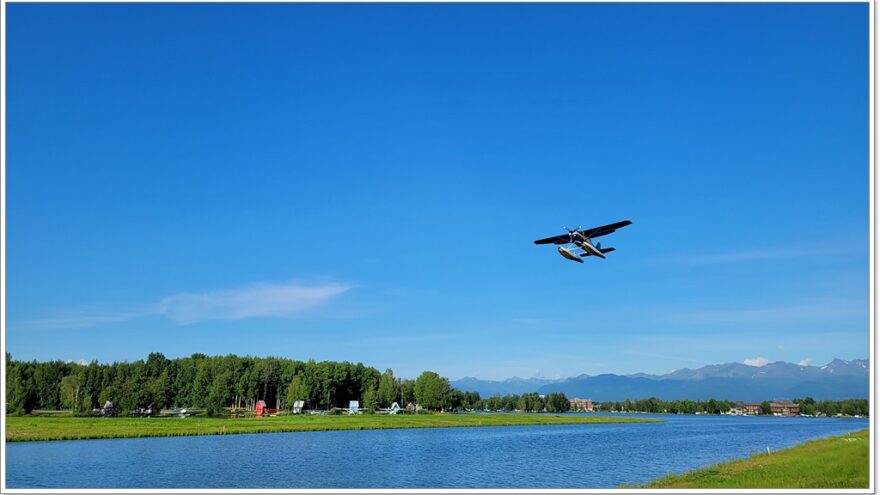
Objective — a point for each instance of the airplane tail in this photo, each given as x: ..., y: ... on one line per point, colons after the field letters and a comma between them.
x: 606, y: 250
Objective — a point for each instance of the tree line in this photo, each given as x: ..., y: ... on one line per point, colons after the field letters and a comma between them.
x: 529, y: 402
x: 848, y: 407
x: 221, y: 383
x: 655, y: 405
x: 218, y: 383
x: 807, y: 405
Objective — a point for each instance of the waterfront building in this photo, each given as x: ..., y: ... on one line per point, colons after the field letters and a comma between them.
x: 581, y: 404
x: 784, y: 409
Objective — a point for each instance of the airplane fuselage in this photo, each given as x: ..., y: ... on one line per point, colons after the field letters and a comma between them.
x: 585, y: 243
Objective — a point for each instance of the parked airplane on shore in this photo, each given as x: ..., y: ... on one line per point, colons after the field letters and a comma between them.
x: 580, y: 241
x: 180, y: 412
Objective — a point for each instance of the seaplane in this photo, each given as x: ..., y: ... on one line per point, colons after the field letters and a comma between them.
x: 579, y: 242
x: 181, y: 412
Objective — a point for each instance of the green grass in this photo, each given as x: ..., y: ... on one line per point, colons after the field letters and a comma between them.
x: 836, y: 462
x: 27, y: 428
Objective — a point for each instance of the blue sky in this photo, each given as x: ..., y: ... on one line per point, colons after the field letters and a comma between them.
x: 364, y: 182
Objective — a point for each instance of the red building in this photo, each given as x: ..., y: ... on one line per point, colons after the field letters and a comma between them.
x: 262, y: 410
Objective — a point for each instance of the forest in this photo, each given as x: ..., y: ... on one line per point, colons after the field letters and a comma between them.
x: 223, y: 384
x: 215, y: 384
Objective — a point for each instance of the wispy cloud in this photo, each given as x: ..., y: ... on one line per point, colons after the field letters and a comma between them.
x: 79, y: 320
x: 665, y: 356
x: 805, y: 362
x: 797, y: 250
x: 775, y: 314
x: 756, y: 361
x: 273, y: 300
x: 282, y: 300
x: 750, y: 255
x: 394, y: 340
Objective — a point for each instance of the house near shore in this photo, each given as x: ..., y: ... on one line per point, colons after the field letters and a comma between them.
x: 784, y: 409
x: 751, y: 408
x: 581, y: 404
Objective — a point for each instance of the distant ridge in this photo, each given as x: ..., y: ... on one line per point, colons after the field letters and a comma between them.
x: 837, y: 380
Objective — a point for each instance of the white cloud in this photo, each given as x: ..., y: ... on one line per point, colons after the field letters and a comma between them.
x: 805, y: 362
x: 260, y: 300
x: 285, y: 300
x: 758, y: 361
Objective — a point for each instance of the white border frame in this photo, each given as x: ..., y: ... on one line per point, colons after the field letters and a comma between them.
x: 871, y: 271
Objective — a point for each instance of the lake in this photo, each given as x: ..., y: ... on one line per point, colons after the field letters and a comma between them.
x: 569, y: 456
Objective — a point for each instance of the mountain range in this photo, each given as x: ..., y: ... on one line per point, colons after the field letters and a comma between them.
x: 836, y: 380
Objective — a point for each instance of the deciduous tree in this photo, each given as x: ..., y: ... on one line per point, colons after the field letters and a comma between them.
x: 432, y: 391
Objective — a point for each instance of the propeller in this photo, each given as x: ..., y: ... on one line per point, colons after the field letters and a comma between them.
x: 571, y: 232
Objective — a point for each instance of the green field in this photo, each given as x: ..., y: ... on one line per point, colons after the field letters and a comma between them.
x: 29, y: 428
x: 836, y: 462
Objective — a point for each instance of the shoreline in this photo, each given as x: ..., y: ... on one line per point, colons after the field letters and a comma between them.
x: 30, y: 429
x: 839, y: 461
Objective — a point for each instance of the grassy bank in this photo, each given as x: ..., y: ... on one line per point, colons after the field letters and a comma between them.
x: 836, y: 462
x: 25, y: 428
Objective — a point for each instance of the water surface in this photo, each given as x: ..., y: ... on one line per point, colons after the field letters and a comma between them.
x: 563, y: 456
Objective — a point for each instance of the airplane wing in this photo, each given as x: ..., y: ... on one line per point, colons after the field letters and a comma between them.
x: 589, y: 233
x: 559, y: 239
x: 603, y: 230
